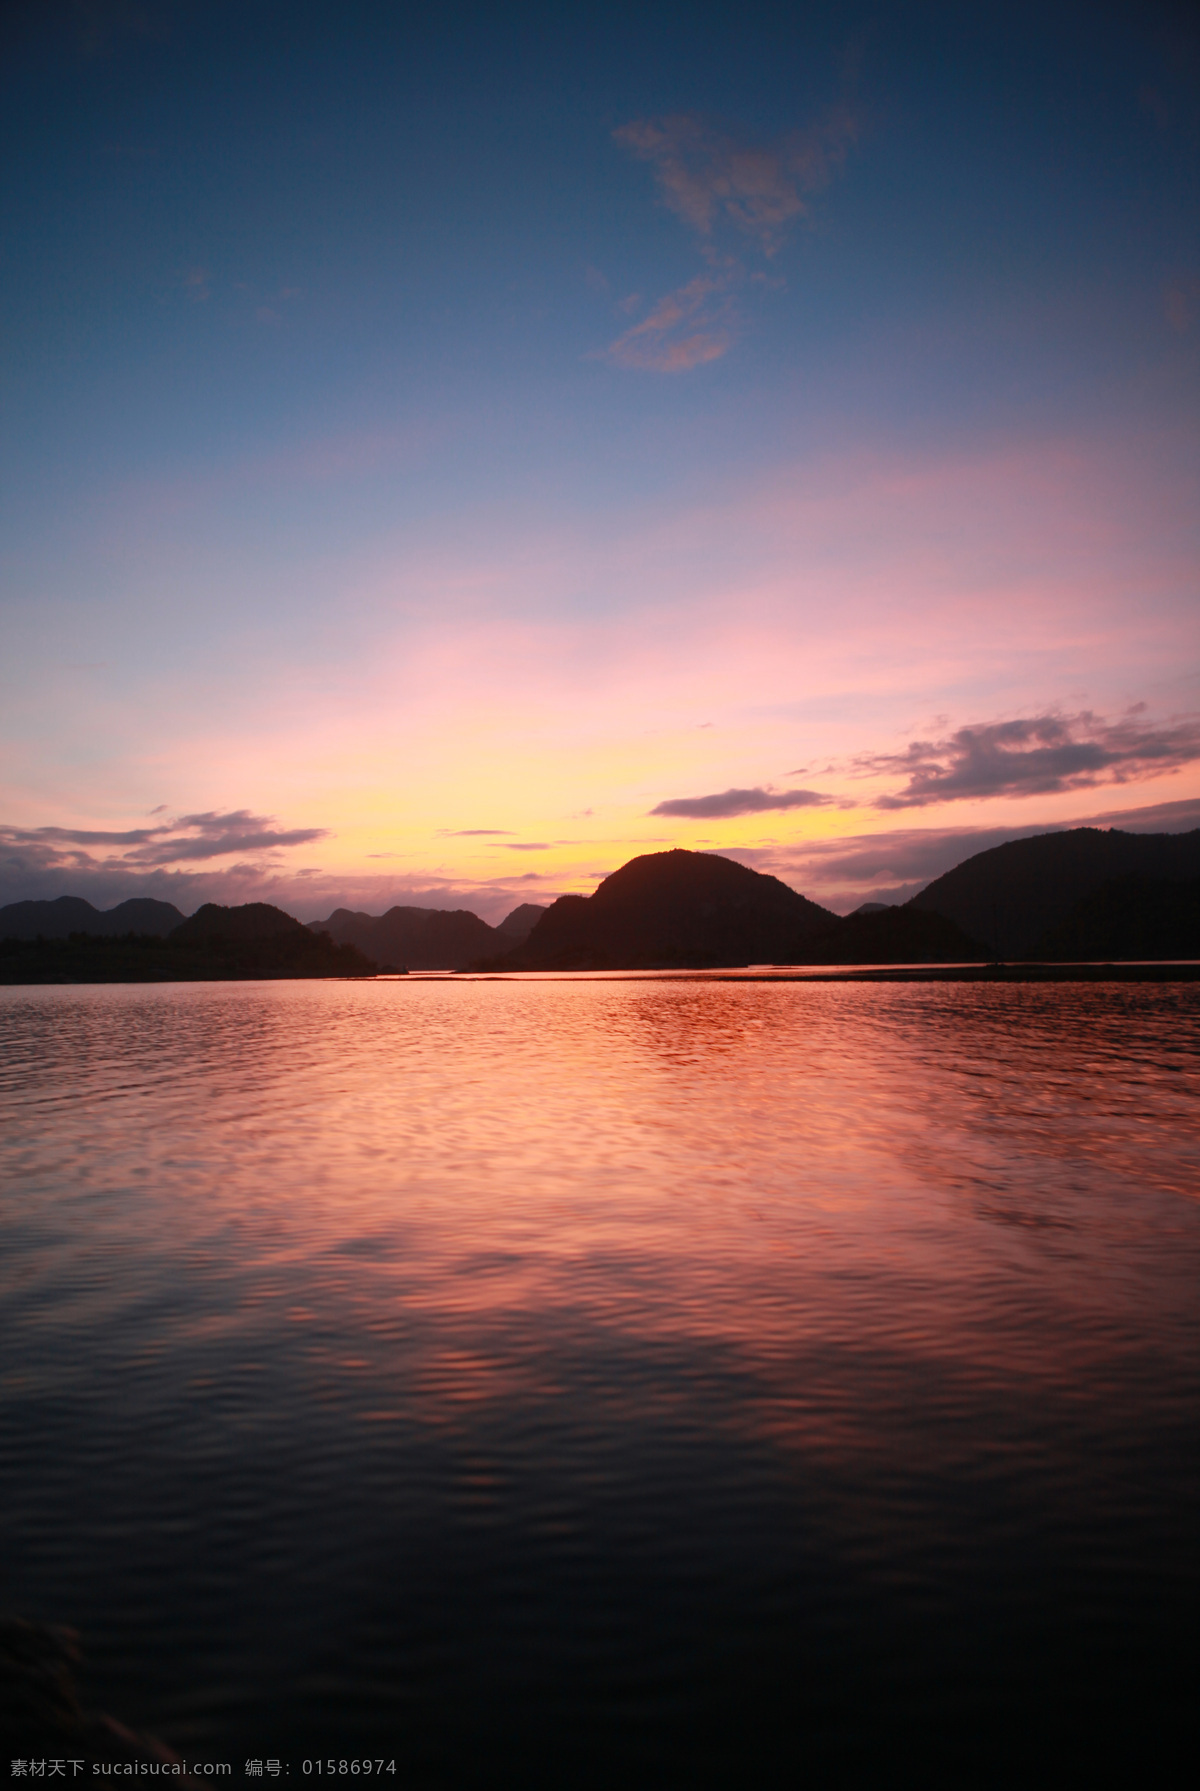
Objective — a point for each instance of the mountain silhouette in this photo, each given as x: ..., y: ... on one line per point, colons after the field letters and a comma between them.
x: 695, y: 911
x: 1012, y: 896
x: 674, y: 910
x: 252, y: 921
x: 1081, y: 895
x: 1131, y: 918
x: 65, y: 915
x: 518, y: 925
x: 252, y: 941
x: 416, y: 938
x: 884, y: 935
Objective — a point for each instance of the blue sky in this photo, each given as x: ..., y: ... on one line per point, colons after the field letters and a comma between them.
x: 450, y: 437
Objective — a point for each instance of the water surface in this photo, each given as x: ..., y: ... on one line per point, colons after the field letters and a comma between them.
x: 590, y: 1381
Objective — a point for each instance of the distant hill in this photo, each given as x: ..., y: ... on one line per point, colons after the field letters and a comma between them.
x: 1129, y: 918
x: 252, y: 941
x: 71, y: 914
x: 674, y: 910
x: 250, y: 921
x: 1013, y: 896
x: 416, y: 938
x: 518, y: 925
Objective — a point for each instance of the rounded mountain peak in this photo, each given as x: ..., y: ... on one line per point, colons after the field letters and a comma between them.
x: 681, y: 876
x: 253, y: 920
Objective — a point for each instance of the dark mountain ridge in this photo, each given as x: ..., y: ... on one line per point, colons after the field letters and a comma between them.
x: 1135, y: 918
x: 1055, y: 897
x: 1014, y: 896
x: 247, y: 923
x: 254, y: 941
x: 65, y: 915
x: 887, y: 935
x: 674, y: 910
x: 415, y: 938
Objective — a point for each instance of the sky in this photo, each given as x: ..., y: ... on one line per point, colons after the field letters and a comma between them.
x: 449, y: 451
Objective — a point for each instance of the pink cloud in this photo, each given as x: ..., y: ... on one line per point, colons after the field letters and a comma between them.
x: 686, y: 329
x: 709, y: 173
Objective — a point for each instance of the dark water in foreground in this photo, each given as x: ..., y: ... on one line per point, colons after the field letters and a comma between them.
x: 591, y: 1382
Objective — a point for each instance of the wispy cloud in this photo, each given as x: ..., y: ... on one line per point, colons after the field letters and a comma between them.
x: 711, y: 174
x: 472, y: 833
x: 181, y: 841
x: 727, y: 188
x: 1035, y: 756
x: 739, y: 802
x: 684, y: 330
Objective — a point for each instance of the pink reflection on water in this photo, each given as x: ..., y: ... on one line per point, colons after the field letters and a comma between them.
x: 430, y: 1183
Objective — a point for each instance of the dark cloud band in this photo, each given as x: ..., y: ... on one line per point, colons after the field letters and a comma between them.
x: 1036, y: 756
x: 186, y: 840
x: 739, y: 802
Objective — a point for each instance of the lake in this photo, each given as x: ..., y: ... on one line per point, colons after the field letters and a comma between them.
x: 592, y: 1381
